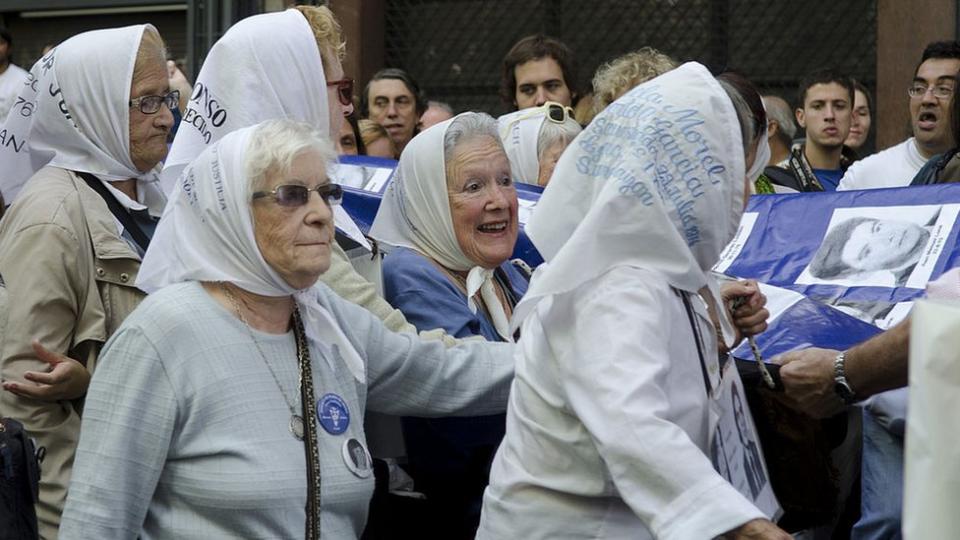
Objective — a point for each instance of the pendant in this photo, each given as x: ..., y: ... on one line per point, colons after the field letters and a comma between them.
x: 296, y: 426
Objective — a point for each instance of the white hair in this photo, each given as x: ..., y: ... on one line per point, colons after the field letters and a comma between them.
x: 275, y: 144
x: 552, y: 133
x: 468, y: 126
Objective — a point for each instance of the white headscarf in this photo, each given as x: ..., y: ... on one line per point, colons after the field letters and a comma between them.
x: 265, y: 67
x: 73, y: 112
x: 206, y: 234
x: 655, y: 181
x: 520, y: 133
x: 415, y: 213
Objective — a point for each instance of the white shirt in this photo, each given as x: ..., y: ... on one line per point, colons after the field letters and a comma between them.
x: 11, y: 81
x: 894, y: 167
x: 608, y: 421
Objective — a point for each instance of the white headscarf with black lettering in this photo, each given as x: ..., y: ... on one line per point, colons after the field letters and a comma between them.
x: 655, y: 181
x: 206, y: 234
x: 74, y: 111
x: 265, y: 67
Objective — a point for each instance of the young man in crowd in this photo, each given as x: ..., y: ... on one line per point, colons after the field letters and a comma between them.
x: 930, y: 95
x: 12, y: 77
x: 826, y: 99
x: 394, y: 100
x: 538, y: 69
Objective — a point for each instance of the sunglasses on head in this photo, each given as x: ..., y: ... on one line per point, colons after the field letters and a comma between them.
x: 293, y: 195
x: 555, y: 112
x: 344, y: 90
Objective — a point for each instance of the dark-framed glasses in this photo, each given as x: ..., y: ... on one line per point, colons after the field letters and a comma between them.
x: 940, y: 91
x: 151, y: 104
x: 293, y: 195
x: 344, y: 90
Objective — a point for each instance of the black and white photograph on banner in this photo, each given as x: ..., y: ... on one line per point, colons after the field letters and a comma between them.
x: 893, y: 246
x: 883, y: 315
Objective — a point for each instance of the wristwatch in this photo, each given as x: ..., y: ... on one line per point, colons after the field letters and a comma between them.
x: 840, y: 384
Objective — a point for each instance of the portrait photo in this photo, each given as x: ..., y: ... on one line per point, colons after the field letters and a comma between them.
x: 894, y: 246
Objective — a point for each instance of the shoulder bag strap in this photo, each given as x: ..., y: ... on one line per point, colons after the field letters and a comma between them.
x: 697, y: 337
x: 801, y: 169
x: 117, y: 210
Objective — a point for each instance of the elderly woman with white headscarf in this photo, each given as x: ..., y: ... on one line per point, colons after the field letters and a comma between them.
x: 270, y: 66
x: 618, y: 399
x: 451, y: 212
x: 80, y: 148
x: 535, y: 139
x: 231, y: 402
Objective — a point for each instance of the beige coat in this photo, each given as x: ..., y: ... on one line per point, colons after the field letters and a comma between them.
x: 69, y: 281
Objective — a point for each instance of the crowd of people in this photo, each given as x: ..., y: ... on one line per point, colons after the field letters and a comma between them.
x: 183, y: 332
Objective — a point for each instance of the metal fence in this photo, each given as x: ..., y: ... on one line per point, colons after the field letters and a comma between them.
x: 455, y: 47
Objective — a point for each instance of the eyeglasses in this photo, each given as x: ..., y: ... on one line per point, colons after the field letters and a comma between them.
x: 294, y: 195
x: 940, y: 91
x: 344, y: 90
x: 151, y: 104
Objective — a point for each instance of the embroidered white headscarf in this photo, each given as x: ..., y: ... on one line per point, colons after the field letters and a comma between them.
x: 73, y: 111
x: 206, y: 234
x: 415, y: 213
x: 655, y: 181
x: 264, y: 67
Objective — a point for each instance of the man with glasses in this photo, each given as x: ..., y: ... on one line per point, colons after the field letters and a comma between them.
x: 394, y: 100
x: 930, y: 95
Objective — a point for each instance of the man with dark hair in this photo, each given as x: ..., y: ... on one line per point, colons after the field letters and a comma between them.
x: 394, y: 100
x: 930, y: 95
x: 12, y: 77
x: 824, y: 105
x: 538, y: 69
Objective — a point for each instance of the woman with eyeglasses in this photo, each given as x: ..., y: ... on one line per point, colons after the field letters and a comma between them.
x: 451, y: 213
x: 535, y: 139
x: 80, y: 167
x: 231, y: 403
x: 279, y: 65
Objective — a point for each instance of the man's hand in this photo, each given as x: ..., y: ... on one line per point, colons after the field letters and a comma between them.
x: 758, y: 529
x: 808, y: 379
x: 65, y: 379
x: 750, y: 317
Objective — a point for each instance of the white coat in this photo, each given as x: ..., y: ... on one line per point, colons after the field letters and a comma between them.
x: 607, y: 431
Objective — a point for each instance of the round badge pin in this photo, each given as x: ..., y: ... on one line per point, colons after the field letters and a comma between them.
x: 333, y: 413
x: 357, y: 458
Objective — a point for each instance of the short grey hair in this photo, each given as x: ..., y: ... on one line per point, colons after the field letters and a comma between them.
x: 441, y: 105
x: 779, y: 111
x: 275, y: 144
x: 468, y: 126
x: 552, y: 133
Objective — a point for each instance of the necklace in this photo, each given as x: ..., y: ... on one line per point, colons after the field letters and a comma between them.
x: 296, y: 421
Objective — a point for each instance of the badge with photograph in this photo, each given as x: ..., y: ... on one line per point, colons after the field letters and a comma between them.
x: 735, y: 446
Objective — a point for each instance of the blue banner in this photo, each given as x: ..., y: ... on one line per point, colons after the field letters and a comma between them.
x: 860, y: 258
